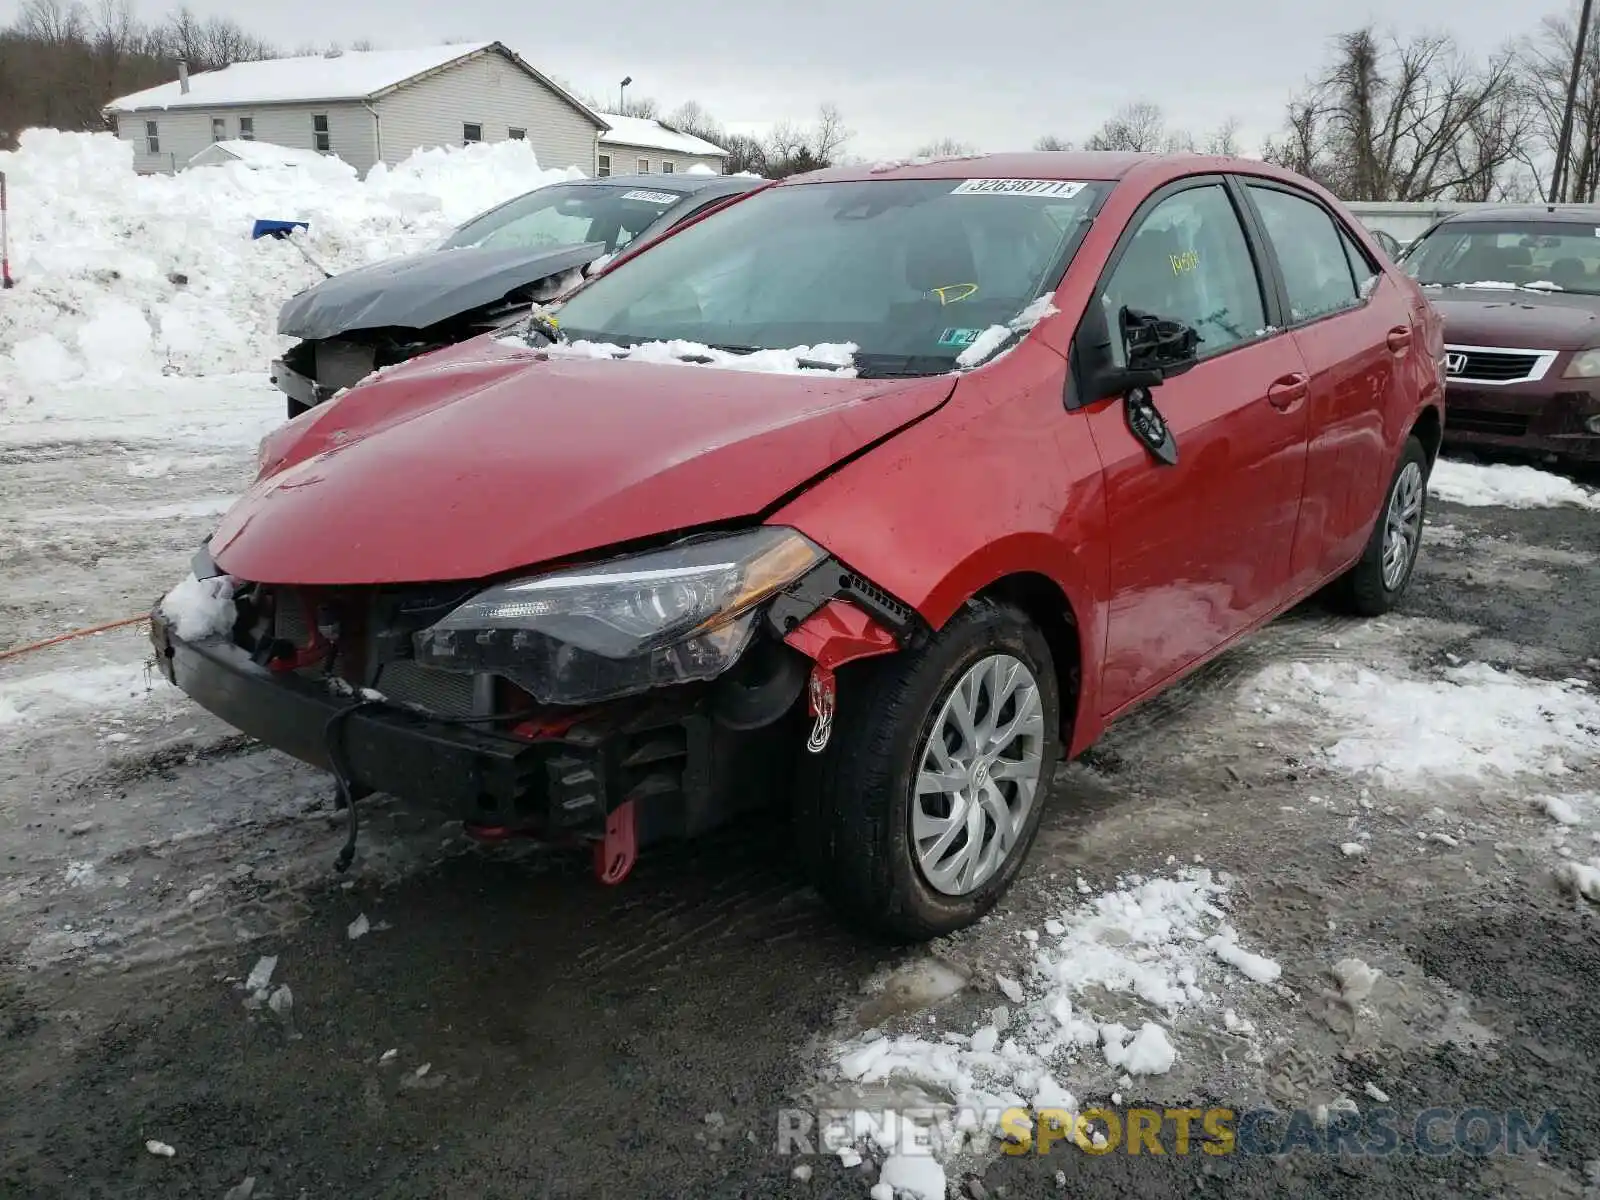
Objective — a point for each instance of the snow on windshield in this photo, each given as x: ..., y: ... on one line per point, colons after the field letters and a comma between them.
x: 992, y: 338
x: 822, y: 359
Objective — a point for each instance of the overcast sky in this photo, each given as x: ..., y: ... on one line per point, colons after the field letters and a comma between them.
x: 996, y: 74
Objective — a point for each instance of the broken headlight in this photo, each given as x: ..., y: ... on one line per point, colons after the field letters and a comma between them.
x: 623, y: 626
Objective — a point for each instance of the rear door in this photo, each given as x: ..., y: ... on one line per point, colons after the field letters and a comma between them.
x: 1353, y: 327
x: 1199, y: 550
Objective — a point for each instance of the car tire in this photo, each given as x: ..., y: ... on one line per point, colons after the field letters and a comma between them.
x: 855, y: 803
x: 1371, y: 588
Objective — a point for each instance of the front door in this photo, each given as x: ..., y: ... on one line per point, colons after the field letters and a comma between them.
x: 1201, y: 549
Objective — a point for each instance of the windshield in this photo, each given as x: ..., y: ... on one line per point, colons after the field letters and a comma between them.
x: 566, y: 214
x: 907, y: 270
x: 1543, y: 255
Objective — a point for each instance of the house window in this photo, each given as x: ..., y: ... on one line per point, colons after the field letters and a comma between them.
x: 219, y: 128
x: 471, y: 133
x: 604, y: 170
x: 247, y: 129
x: 152, y: 140
x: 666, y: 167
x: 517, y: 135
x: 319, y: 130
x: 643, y: 166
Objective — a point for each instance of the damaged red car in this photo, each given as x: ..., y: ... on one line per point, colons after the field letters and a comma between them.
x: 872, y: 495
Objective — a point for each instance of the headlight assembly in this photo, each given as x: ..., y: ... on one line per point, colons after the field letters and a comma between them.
x: 623, y: 626
x: 1584, y: 365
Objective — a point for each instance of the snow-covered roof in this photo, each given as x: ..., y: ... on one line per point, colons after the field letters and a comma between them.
x: 350, y: 76
x: 653, y: 135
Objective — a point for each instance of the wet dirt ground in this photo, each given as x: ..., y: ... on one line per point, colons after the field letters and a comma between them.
x: 554, y: 1038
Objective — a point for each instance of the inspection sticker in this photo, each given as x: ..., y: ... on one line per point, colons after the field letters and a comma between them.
x: 1059, y: 188
x: 651, y: 197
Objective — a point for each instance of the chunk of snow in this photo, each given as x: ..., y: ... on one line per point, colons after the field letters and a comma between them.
x: 261, y: 974
x: 1582, y: 879
x: 1251, y: 966
x: 849, y: 1156
x: 1011, y: 988
x: 201, y: 608
x: 1506, y: 485
x: 913, y: 1176
x: 1355, y: 978
x: 1376, y: 1092
x: 1352, y: 849
x: 358, y: 928
x: 159, y: 1149
x: 1147, y: 1052
x: 387, y: 1056
x: 881, y: 1191
x: 802, y: 1173
x: 1558, y: 809
x: 825, y: 358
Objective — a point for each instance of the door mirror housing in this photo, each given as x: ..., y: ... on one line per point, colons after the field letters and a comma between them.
x: 1154, y: 348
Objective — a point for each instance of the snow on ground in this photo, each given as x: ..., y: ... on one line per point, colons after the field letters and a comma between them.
x: 1163, y: 943
x: 34, y: 699
x: 1472, y: 722
x: 122, y: 277
x: 1506, y: 485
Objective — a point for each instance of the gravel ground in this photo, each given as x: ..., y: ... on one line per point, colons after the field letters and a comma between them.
x: 553, y: 1038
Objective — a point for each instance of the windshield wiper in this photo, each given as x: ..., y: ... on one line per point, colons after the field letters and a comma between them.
x: 902, y: 366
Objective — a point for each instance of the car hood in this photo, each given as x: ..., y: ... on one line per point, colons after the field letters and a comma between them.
x: 484, y: 459
x: 423, y: 289
x: 1517, y: 319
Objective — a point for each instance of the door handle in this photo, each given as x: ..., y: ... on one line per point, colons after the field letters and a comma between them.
x: 1287, y: 392
x: 1399, y: 339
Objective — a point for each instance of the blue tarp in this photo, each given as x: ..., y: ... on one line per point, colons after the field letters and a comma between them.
x: 277, y: 229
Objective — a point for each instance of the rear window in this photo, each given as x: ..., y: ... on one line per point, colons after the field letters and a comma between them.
x: 1550, y: 255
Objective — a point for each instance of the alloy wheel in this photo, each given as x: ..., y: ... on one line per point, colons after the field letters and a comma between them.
x: 1402, y: 525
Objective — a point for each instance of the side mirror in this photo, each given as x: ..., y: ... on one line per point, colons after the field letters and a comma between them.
x: 1155, y: 350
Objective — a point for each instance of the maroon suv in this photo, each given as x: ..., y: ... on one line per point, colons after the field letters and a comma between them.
x: 1519, y: 290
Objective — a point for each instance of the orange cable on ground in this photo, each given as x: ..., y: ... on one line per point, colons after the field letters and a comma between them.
x: 67, y: 637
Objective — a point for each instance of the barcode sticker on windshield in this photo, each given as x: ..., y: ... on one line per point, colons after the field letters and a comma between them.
x: 650, y: 197
x: 1059, y: 188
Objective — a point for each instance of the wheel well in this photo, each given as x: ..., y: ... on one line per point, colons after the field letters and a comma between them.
x: 1049, y: 609
x: 1429, y: 430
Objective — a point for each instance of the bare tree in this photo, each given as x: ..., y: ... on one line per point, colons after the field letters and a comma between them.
x: 1139, y: 128
x: 745, y: 153
x: 830, y: 136
x: 946, y: 147
x: 1545, y: 67
x: 1224, y: 139
x: 1408, y: 120
x: 1051, y: 142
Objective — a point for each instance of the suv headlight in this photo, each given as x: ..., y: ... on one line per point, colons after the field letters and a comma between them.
x: 623, y: 626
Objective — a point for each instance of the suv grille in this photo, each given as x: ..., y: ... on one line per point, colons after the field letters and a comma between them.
x: 1480, y: 364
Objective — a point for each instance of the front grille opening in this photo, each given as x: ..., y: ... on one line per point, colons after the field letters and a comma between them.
x: 1478, y: 420
x: 1495, y: 366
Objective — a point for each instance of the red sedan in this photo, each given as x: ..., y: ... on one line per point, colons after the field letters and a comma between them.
x: 873, y: 494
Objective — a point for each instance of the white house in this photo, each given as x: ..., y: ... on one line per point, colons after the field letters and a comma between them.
x: 366, y: 107
x: 637, y: 146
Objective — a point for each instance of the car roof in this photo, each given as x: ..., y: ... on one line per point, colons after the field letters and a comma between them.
x: 1088, y: 165
x: 682, y: 185
x: 1576, y: 214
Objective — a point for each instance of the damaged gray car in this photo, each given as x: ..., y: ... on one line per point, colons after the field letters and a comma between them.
x: 484, y: 275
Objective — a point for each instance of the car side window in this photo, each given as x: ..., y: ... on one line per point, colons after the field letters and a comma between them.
x: 1316, y: 270
x: 1362, y: 267
x: 1189, y: 261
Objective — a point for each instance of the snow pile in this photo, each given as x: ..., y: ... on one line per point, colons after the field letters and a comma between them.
x: 124, y: 277
x: 992, y: 338
x: 201, y: 608
x: 822, y: 359
x: 1506, y: 486
x: 1472, y: 723
x: 1159, y: 941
